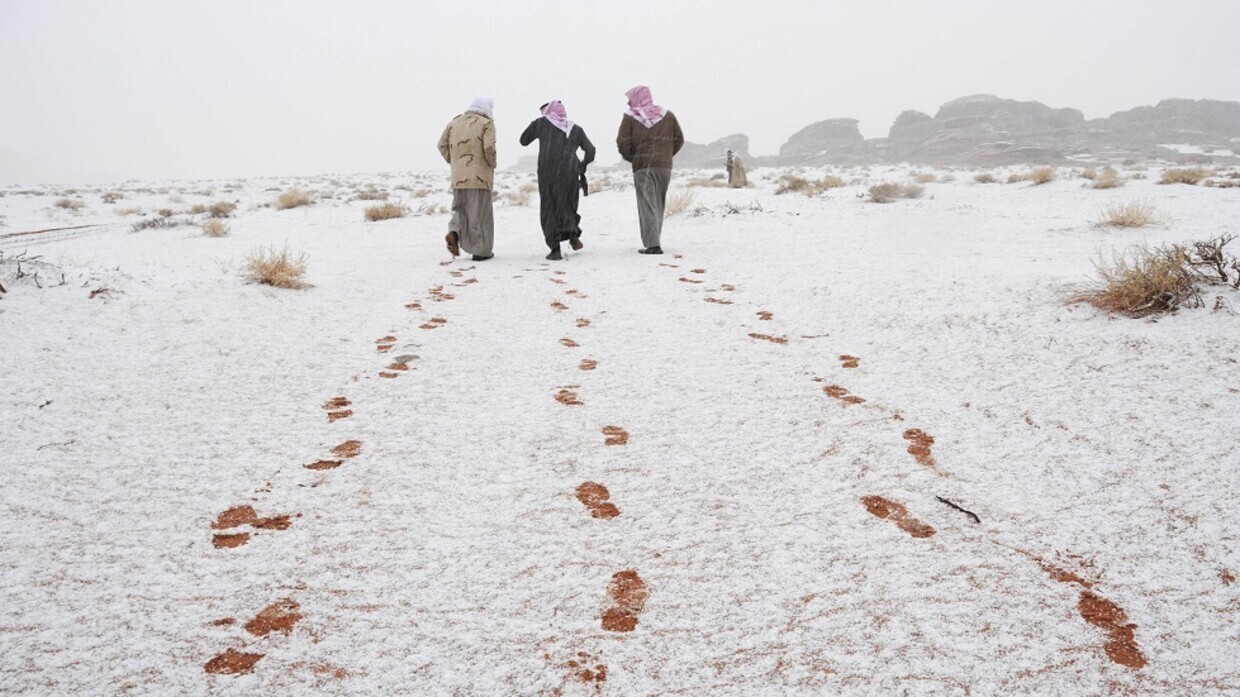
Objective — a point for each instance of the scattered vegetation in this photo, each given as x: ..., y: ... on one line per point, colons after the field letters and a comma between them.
x: 1151, y: 280
x: 926, y: 178
x: 160, y: 222
x: 984, y: 178
x: 891, y: 191
x: 1041, y: 175
x: 679, y: 201
x: 791, y: 182
x: 127, y: 211
x: 221, y: 209
x: 518, y: 198
x: 1183, y: 175
x: 385, y: 211
x: 214, y: 227
x: 278, y: 268
x: 293, y: 198
x: 1108, y: 179
x: 433, y: 209
x: 111, y: 197
x: 1131, y: 215
x: 70, y: 204
x: 371, y: 195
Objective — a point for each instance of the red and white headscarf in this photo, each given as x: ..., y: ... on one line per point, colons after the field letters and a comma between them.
x: 554, y: 111
x: 642, y: 106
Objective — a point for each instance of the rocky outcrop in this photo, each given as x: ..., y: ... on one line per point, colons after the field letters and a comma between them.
x: 834, y: 141
x: 713, y: 154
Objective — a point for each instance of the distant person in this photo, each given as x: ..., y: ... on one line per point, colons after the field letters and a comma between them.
x: 560, y: 174
x: 736, y: 171
x: 649, y: 137
x: 468, y: 144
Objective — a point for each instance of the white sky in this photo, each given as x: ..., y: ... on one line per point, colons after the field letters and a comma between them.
x: 163, y: 88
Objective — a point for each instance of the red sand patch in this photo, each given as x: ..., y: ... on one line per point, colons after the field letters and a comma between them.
x: 898, y: 514
x: 224, y: 622
x: 569, y: 343
x: 568, y: 398
x: 766, y: 315
x: 685, y: 279
x: 329, y: 670
x: 558, y: 306
x: 595, y: 497
x: 919, y: 446
x: 628, y: 593
x: 389, y: 375
x: 615, y: 435
x: 324, y: 465
x: 586, y: 669
x: 230, y: 541
x: 232, y: 663
x: 336, y: 403
x: 279, y: 616
x: 334, y: 416
x: 347, y: 449
x: 413, y: 306
x: 847, y: 361
x: 235, y: 517
x: 1121, y: 646
x: 840, y: 393
x: 717, y: 301
x: 582, y: 323
x: 400, y: 367
x: 768, y: 337
x: 587, y: 364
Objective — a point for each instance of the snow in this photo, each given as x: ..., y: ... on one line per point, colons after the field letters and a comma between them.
x: 1186, y: 149
x: 451, y: 555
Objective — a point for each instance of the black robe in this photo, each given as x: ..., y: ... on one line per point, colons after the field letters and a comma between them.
x: 559, y: 177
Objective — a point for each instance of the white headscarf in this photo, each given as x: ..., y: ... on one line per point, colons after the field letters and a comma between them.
x: 484, y: 106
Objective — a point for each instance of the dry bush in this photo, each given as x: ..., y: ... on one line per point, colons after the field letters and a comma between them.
x: 1210, y: 260
x: 984, y: 178
x: 70, y: 204
x: 214, y: 227
x: 679, y: 201
x: 1144, y: 281
x: 1183, y: 175
x: 432, y: 209
x: 528, y: 188
x: 421, y: 193
x: 273, y: 267
x: 175, y: 199
x: 385, y: 211
x: 197, y: 209
x: 518, y: 198
x: 926, y: 178
x: 1089, y: 173
x: 160, y: 222
x: 371, y: 195
x: 1131, y: 214
x: 1041, y: 175
x: 891, y: 191
x: 127, y: 211
x: 221, y: 209
x: 598, y: 185
x: 1108, y: 179
x: 1016, y: 178
x: 293, y: 198
x: 799, y: 184
x: 111, y: 197
x: 949, y: 177
x: 165, y: 212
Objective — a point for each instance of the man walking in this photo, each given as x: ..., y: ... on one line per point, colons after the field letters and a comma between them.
x: 468, y: 144
x: 649, y: 138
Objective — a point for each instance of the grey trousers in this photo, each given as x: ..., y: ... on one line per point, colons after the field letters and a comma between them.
x: 473, y: 220
x: 651, y: 185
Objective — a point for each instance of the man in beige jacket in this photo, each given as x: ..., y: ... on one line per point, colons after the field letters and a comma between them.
x: 468, y: 144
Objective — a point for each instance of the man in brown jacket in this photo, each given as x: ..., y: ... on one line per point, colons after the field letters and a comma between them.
x: 649, y: 137
x: 468, y: 144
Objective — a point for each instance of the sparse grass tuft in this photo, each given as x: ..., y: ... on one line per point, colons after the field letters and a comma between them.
x: 891, y: 191
x: 111, y: 197
x: 792, y: 182
x: 984, y: 178
x: 1183, y: 175
x: 278, y: 268
x: 1130, y: 215
x: 214, y: 227
x: 372, y: 195
x: 293, y: 198
x: 1108, y: 179
x: 679, y: 201
x: 70, y: 204
x: 1146, y: 280
x: 926, y: 178
x: 518, y: 198
x: 385, y: 211
x: 1041, y: 175
x: 221, y: 209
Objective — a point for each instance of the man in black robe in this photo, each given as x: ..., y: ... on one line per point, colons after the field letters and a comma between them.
x: 559, y: 174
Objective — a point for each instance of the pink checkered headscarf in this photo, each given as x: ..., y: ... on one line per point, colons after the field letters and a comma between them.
x: 555, y: 113
x: 642, y: 106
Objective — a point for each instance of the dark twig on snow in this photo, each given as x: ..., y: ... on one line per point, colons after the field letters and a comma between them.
x: 971, y: 514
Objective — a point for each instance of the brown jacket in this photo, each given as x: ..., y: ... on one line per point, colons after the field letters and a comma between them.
x: 468, y: 144
x: 649, y: 147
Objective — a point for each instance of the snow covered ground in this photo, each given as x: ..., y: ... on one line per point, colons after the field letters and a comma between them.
x: 452, y: 554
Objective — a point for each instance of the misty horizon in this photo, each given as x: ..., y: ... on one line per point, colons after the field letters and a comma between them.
x: 142, y: 90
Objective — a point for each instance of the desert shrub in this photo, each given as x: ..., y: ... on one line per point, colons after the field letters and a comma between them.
x: 165, y: 212
x: 1144, y: 281
x: 197, y: 209
x: 891, y: 191
x: 175, y: 199
x: 272, y: 267
x: 1130, y: 215
x: 1041, y: 175
x: 679, y: 201
x: 518, y: 198
x: 293, y: 198
x: 421, y: 193
x: 1089, y: 173
x: 949, y: 177
x: 432, y: 209
x: 160, y: 222
x: 214, y: 227
x: 1016, y: 177
x: 1108, y: 179
x: 111, y: 197
x: 70, y: 204
x: 1183, y: 175
x: 597, y: 185
x: 984, y: 178
x: 799, y: 184
x: 127, y: 211
x: 528, y: 188
x: 1213, y: 264
x: 385, y: 211
x: 221, y: 209
x: 371, y: 195
x: 926, y: 178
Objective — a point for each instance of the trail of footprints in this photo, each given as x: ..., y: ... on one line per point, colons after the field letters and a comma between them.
x: 236, y: 526
x: 1121, y: 646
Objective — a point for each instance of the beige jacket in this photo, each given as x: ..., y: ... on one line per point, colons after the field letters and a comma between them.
x: 468, y: 144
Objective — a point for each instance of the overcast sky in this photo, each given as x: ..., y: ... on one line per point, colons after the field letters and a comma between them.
x: 129, y: 88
